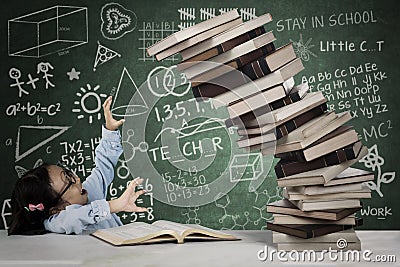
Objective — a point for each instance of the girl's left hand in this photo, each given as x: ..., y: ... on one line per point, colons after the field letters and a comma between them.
x: 126, y: 202
x: 111, y: 123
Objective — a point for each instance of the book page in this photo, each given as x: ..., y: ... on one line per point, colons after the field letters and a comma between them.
x: 134, y: 230
x: 168, y: 225
x: 189, y: 229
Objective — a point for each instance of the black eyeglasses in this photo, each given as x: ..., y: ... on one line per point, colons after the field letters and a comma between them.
x: 69, y: 175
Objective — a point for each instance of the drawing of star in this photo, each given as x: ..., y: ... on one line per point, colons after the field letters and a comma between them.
x: 73, y: 74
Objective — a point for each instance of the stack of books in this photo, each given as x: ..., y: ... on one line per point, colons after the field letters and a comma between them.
x: 237, y: 65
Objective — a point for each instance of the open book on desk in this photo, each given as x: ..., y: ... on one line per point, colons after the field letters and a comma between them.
x: 160, y: 231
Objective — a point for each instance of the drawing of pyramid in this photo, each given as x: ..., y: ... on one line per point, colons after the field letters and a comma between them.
x: 31, y: 138
x: 123, y: 104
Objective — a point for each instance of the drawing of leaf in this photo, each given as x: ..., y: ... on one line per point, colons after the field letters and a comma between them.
x: 388, y: 177
x: 371, y: 185
x: 38, y: 163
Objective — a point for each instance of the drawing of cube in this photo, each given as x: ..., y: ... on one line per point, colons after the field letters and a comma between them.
x: 246, y: 167
x: 47, y: 31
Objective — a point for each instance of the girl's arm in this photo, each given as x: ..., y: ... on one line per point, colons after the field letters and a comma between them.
x: 107, y: 154
x: 75, y: 218
x: 106, y: 158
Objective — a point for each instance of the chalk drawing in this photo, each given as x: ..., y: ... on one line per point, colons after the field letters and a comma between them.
x: 28, y: 132
x: 246, y: 167
x: 187, y: 13
x: 194, y: 129
x: 15, y: 74
x: 122, y: 106
x: 32, y: 81
x: 103, y: 55
x: 303, y: 50
x: 44, y: 67
x: 153, y: 32
x: 375, y: 162
x: 73, y: 74
x: 21, y: 170
x: 89, y: 95
x: 129, y: 155
x: 191, y: 215
x: 51, y: 30
x: 163, y: 81
x: 116, y: 21
x: 5, y: 212
x: 248, y: 13
x: 207, y: 13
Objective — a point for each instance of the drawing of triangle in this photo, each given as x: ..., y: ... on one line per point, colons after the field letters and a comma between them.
x: 103, y: 55
x: 31, y: 138
x: 128, y: 101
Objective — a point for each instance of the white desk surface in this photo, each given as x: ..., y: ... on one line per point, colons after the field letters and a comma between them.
x: 85, y: 250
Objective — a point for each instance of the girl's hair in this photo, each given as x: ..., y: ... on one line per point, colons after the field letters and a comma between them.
x: 34, y: 187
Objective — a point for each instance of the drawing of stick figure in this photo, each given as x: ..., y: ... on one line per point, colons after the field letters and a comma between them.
x: 15, y: 74
x: 44, y: 67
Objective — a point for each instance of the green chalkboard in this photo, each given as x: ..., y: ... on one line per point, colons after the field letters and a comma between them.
x: 60, y: 59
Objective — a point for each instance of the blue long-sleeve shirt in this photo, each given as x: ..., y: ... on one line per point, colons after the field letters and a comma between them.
x: 96, y: 214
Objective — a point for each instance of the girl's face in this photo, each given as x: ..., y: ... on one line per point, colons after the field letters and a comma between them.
x: 61, y: 179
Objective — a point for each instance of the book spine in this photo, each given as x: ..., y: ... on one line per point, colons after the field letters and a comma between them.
x: 286, y: 230
x: 207, y: 90
x: 246, y: 59
x: 228, y: 45
x: 295, y: 123
x: 256, y: 69
x: 341, y: 155
x: 292, y: 155
x: 289, y: 99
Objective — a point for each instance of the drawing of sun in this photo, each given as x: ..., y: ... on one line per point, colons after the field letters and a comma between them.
x: 90, y: 103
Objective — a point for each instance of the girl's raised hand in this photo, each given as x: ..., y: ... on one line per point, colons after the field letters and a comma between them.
x: 111, y: 123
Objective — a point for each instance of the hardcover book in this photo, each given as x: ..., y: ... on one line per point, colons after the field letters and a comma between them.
x: 349, y: 234
x: 229, y: 78
x: 284, y: 206
x: 277, y: 77
x: 197, y: 39
x: 284, y: 114
x: 221, y: 48
x: 309, y: 205
x: 320, y: 176
x: 204, y: 71
x: 363, y: 192
x: 315, y: 190
x: 286, y: 167
x: 226, y: 36
x: 287, y: 127
x: 310, y: 230
x: 290, y: 219
x: 310, y: 133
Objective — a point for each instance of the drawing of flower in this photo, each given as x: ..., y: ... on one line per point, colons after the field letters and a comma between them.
x: 373, y: 161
